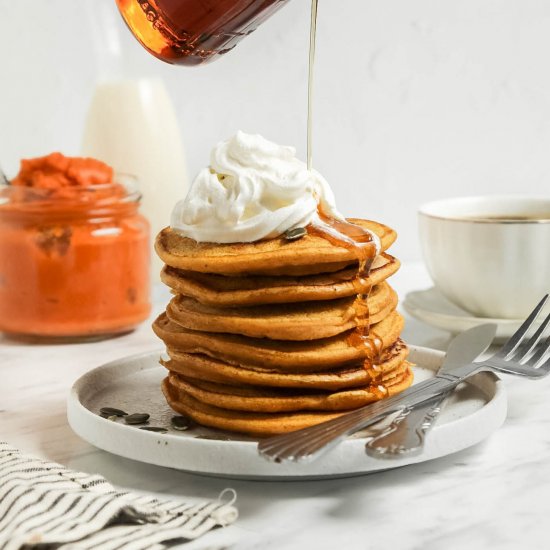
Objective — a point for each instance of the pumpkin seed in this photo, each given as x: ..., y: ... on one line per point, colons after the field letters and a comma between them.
x: 181, y: 423
x: 137, y: 418
x: 295, y: 234
x: 110, y: 411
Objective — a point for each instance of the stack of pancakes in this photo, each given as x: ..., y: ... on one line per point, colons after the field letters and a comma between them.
x: 260, y: 336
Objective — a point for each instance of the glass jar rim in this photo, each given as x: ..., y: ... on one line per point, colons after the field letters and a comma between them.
x: 96, y: 195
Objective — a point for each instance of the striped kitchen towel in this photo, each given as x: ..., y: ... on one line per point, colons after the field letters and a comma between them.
x: 45, y: 505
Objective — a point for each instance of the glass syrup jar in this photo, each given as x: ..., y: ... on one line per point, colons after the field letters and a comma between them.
x: 193, y: 32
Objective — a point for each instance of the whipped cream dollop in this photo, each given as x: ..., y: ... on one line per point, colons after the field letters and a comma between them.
x: 254, y: 189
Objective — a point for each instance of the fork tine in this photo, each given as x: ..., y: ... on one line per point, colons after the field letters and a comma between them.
x: 516, y: 338
x: 288, y: 447
x: 539, y: 354
x: 545, y: 367
x: 526, y: 348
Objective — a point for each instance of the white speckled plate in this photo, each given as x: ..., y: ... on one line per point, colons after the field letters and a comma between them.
x: 133, y: 384
x: 431, y: 307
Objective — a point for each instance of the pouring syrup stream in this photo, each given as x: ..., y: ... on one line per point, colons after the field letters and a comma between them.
x: 312, y: 36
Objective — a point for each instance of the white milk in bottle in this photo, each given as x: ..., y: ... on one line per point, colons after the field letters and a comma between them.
x: 132, y: 126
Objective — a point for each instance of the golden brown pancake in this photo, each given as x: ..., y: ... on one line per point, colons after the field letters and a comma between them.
x: 226, y: 291
x: 207, y: 368
x: 308, y: 255
x: 298, y: 321
x: 254, y: 423
x: 270, y: 400
x: 288, y: 356
x: 267, y: 337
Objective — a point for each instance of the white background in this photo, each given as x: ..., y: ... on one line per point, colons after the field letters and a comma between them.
x: 415, y: 100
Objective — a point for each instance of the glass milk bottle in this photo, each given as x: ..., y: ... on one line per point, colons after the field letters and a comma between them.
x: 131, y: 125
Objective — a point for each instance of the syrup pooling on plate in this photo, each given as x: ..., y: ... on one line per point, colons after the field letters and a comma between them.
x: 360, y: 241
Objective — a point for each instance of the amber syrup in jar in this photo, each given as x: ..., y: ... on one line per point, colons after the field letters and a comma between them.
x: 193, y: 32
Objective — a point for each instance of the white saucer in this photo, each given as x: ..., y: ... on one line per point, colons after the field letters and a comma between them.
x: 133, y: 384
x: 431, y: 307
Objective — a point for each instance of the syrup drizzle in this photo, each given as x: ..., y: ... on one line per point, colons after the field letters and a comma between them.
x: 360, y: 241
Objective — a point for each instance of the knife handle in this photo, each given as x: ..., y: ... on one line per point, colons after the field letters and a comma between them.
x: 405, y: 436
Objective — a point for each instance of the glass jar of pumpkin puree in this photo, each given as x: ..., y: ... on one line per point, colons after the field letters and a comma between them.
x: 74, y: 251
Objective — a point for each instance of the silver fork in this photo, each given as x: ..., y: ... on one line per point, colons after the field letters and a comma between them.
x: 521, y: 356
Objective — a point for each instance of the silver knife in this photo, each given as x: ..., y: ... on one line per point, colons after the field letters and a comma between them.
x: 406, y: 434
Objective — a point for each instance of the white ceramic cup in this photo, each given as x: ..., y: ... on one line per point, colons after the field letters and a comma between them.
x: 489, y: 255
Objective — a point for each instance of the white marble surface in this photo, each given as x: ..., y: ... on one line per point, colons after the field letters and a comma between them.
x: 493, y: 495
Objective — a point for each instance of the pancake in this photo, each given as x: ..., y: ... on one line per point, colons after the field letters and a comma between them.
x: 308, y: 255
x: 288, y: 356
x: 224, y: 291
x: 257, y: 399
x: 256, y: 423
x: 269, y: 336
x: 207, y: 368
x: 298, y: 321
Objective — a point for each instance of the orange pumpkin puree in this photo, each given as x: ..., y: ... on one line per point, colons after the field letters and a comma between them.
x: 74, y: 251
x: 57, y: 171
